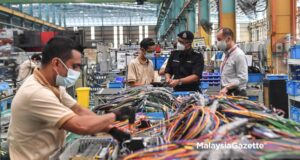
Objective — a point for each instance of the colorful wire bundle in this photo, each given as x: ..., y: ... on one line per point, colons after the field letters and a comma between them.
x: 203, y: 124
x: 195, y: 122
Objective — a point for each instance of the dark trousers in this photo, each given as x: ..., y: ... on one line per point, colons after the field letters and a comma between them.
x: 237, y: 92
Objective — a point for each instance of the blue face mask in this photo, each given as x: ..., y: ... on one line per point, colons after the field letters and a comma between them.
x: 72, y: 77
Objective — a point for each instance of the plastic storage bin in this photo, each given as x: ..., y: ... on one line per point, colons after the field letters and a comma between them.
x: 295, y: 52
x: 293, y: 88
x: 290, y: 89
x: 115, y: 85
x: 276, y: 77
x: 253, y: 98
x: 83, y: 96
x: 255, y: 77
x: 295, y: 113
x: 119, y: 79
x: 158, y: 62
x: 213, y: 79
x: 204, y: 85
x: 155, y: 115
x: 177, y: 94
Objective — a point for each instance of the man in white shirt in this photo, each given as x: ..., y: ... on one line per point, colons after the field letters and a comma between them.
x: 234, y: 68
x: 26, y: 68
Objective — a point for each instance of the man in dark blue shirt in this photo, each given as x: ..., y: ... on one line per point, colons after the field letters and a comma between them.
x: 185, y: 66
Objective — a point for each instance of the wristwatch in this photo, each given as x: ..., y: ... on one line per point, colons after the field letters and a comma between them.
x: 179, y: 82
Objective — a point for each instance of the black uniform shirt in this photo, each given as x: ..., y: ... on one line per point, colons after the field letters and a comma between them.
x: 182, y: 64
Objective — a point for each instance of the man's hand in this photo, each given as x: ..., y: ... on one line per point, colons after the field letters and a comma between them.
x: 174, y: 83
x: 223, y: 91
x: 119, y: 135
x: 123, y: 113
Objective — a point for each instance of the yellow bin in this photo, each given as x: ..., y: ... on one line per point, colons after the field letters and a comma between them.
x: 83, y: 96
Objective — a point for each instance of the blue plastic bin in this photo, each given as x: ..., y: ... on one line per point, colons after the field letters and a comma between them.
x: 255, y: 77
x: 293, y: 88
x: 177, y: 94
x: 276, y: 77
x: 292, y: 115
x: 219, y: 55
x: 158, y: 62
x: 295, y: 52
x: 115, y: 85
x: 204, y: 85
x: 295, y: 113
x: 253, y: 98
x: 290, y: 89
x: 119, y: 79
x: 155, y: 115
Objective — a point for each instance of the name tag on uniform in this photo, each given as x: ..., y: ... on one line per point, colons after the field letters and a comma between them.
x: 176, y: 61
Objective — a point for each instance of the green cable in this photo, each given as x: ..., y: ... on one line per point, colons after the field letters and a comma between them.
x: 275, y: 155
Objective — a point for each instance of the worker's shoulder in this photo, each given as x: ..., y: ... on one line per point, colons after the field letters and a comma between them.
x: 239, y: 51
x: 32, y: 86
x: 134, y: 61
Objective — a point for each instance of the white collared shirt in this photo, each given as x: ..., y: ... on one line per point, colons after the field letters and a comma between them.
x: 235, y: 69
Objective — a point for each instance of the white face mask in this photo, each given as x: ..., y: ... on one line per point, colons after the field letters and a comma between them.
x: 180, y: 46
x: 70, y: 80
x: 222, y: 45
x: 149, y: 55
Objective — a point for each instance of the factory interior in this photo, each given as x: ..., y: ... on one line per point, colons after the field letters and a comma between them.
x: 149, y: 79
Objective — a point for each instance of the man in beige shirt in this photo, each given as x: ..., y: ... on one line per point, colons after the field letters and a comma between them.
x: 140, y: 69
x: 42, y: 109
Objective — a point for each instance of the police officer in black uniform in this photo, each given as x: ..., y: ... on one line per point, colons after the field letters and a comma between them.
x: 185, y: 66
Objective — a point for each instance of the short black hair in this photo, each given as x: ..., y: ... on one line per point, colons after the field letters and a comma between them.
x: 227, y: 32
x: 146, y: 43
x: 60, y: 47
x: 36, y: 57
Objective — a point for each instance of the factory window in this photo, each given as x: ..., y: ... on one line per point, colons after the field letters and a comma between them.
x: 140, y: 33
x: 146, y: 31
x: 115, y: 36
x: 121, y: 34
x: 92, y: 33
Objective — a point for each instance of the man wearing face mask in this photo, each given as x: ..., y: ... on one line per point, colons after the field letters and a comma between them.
x: 42, y: 109
x: 140, y: 69
x: 234, y: 68
x: 185, y: 66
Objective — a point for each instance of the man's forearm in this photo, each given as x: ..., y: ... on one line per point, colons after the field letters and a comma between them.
x: 189, y: 79
x: 135, y: 84
x: 234, y: 84
x: 82, y: 111
x: 89, y: 124
x: 231, y: 86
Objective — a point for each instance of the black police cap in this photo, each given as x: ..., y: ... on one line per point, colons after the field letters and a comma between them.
x: 186, y: 35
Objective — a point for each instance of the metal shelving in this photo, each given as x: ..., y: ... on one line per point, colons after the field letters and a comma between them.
x: 292, y: 98
x: 294, y: 61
